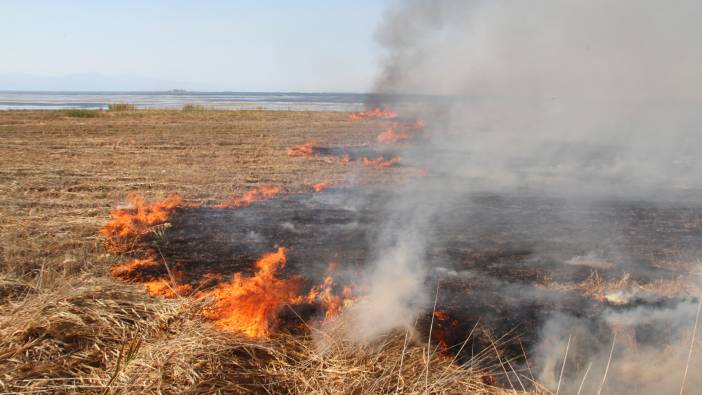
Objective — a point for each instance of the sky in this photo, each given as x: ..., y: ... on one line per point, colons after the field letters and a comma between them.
x: 263, y: 45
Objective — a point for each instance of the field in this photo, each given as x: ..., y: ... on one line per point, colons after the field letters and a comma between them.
x: 67, y: 326
x: 520, y: 273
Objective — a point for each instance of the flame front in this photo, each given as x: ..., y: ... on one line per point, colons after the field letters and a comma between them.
x: 373, y: 113
x: 243, y: 304
x: 250, y: 304
x: 130, y: 224
x: 391, y: 136
x: 380, y: 161
x: 320, y: 186
x: 251, y: 196
x: 307, y: 149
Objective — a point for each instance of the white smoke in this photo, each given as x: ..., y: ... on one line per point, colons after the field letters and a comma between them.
x: 574, y: 98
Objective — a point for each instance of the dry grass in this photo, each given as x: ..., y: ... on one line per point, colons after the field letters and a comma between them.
x: 121, y: 107
x: 66, y: 326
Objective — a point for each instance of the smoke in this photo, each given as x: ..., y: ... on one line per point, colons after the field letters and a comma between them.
x: 554, y: 95
x: 584, y: 100
x: 648, y: 347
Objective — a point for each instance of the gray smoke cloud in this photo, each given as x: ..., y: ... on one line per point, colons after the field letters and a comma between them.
x: 597, y: 94
x: 579, y: 99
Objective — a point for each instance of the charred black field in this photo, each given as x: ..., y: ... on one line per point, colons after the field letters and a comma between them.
x: 519, y: 276
x: 502, y: 264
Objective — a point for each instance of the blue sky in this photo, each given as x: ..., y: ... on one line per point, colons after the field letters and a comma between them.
x: 311, y: 45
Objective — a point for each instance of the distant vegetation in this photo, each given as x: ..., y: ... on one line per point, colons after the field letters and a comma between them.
x: 80, y: 113
x: 121, y: 107
x: 193, y: 107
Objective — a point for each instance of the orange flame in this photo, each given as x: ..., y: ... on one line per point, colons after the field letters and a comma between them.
x: 243, y: 304
x: 168, y: 288
x: 441, y: 315
x: 130, y: 224
x: 320, y: 186
x: 251, y: 196
x: 249, y: 305
x: 380, y: 161
x: 390, y: 136
x: 307, y: 149
x: 443, y: 329
x: 132, y: 270
x: 333, y: 304
x: 373, y: 113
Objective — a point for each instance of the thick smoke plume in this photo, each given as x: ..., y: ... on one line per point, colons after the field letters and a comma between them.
x: 597, y: 95
x: 583, y: 100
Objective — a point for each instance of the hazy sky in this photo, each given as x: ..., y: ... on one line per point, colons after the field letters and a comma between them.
x: 311, y: 45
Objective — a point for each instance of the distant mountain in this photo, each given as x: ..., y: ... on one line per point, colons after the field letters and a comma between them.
x: 91, y: 82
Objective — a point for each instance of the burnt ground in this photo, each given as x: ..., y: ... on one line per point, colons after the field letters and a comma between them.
x: 496, y: 257
x: 502, y: 260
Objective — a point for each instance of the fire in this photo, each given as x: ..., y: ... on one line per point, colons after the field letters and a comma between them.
x: 380, y: 161
x: 253, y: 195
x: 443, y: 330
x: 155, y: 284
x: 344, y: 159
x: 320, y: 186
x: 169, y: 288
x: 307, y: 149
x: 441, y: 315
x: 244, y: 304
x: 323, y: 294
x: 373, y: 113
x: 390, y: 136
x: 130, y: 224
x: 250, y: 304
x: 132, y: 270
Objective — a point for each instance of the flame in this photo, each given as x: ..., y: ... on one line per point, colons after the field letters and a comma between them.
x: 243, y: 304
x: 130, y: 224
x: 168, y: 288
x: 390, y: 136
x: 132, y: 270
x: 320, y: 186
x: 380, y: 161
x: 441, y: 315
x: 444, y: 328
x: 373, y: 113
x: 333, y: 304
x: 253, y: 195
x: 307, y: 149
x: 344, y: 159
x: 250, y: 304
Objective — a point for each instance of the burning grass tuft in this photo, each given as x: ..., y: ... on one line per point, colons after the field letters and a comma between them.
x: 130, y: 223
